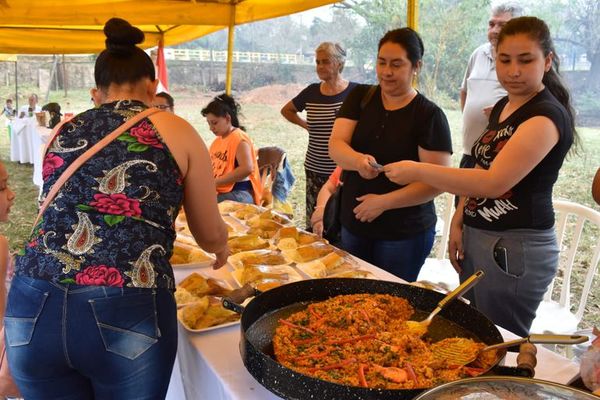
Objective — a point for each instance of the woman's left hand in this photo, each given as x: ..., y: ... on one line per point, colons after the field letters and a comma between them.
x: 371, y: 206
x: 399, y: 172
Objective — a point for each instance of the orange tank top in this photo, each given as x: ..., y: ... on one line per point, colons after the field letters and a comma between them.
x: 222, y: 156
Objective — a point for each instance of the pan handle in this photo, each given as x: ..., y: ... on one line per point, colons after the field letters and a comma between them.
x: 232, y: 306
x: 557, y: 339
x: 540, y: 339
x: 236, y: 297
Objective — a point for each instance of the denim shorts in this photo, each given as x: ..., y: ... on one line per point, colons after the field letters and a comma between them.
x: 242, y: 196
x: 90, y: 342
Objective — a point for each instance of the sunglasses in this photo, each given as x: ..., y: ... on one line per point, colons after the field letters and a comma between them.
x: 163, y: 106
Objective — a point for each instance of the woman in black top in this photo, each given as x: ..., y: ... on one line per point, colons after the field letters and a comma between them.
x: 504, y: 224
x: 386, y: 224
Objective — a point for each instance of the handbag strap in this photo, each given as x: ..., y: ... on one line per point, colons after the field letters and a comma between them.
x: 74, y: 166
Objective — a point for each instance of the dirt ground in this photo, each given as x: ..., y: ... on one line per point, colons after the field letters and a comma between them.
x: 273, y: 94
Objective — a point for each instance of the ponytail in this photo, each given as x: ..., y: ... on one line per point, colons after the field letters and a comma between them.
x: 537, y: 29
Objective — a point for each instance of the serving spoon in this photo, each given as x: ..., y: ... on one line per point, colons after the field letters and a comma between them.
x: 420, y: 327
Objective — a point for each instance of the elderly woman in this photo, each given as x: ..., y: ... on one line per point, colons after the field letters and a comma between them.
x: 91, y: 312
x: 321, y: 101
x: 386, y: 224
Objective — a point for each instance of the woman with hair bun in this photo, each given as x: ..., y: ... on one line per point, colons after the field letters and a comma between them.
x: 233, y: 156
x: 91, y: 312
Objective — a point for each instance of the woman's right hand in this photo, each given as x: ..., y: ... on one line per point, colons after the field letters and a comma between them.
x: 316, y: 221
x: 221, y: 257
x: 364, y: 168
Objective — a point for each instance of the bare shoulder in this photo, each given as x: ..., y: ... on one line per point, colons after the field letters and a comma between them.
x: 167, y: 122
x: 181, y: 138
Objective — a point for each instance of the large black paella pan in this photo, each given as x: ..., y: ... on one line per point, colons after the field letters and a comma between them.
x: 260, y: 318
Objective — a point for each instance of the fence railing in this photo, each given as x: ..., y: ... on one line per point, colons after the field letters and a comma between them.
x: 238, y: 56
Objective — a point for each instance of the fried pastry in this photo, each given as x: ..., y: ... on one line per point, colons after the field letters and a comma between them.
x: 196, y: 284
x: 252, y: 274
x: 192, y: 313
x: 215, y: 314
x: 246, y: 242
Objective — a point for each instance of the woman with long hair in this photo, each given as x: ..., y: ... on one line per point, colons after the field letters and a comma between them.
x: 504, y: 223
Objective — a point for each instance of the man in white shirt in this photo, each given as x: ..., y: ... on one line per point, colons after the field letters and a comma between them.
x: 480, y: 88
x: 30, y: 109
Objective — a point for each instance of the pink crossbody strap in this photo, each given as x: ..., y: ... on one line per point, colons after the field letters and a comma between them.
x: 87, y: 155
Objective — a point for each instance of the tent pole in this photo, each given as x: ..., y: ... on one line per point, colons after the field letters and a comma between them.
x: 230, y: 34
x: 412, y: 20
x: 412, y: 14
x: 16, y: 89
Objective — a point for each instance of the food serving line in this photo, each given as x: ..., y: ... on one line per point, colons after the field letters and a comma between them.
x: 209, y: 365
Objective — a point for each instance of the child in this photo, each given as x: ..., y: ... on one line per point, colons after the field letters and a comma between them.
x: 9, y: 111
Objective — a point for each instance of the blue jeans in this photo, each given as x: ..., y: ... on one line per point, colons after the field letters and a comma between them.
x: 243, y: 196
x: 510, y: 297
x: 90, y: 342
x: 403, y: 258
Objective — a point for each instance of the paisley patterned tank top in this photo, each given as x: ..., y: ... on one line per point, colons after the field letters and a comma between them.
x: 112, y: 223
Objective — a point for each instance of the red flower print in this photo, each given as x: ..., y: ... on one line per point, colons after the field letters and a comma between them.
x: 145, y: 134
x: 51, y: 162
x: 117, y: 204
x: 471, y: 204
x: 488, y: 137
x: 99, y: 275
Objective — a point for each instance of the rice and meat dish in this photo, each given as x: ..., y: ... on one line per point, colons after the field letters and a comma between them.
x: 363, y: 340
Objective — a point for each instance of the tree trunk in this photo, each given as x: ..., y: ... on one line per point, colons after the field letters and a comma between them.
x: 593, y: 77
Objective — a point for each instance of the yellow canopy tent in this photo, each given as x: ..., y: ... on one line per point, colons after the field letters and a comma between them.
x: 75, y: 26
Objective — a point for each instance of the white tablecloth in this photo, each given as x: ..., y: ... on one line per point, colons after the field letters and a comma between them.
x: 211, y: 366
x: 22, y: 132
x: 27, y: 141
x: 39, y: 140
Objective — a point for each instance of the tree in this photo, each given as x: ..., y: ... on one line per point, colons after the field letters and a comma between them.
x: 450, y: 29
x: 379, y: 16
x: 583, y: 17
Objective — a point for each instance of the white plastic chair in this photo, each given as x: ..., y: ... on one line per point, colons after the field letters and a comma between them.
x: 438, y: 269
x: 555, y: 315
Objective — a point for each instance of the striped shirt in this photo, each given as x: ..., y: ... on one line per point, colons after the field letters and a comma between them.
x: 321, y: 112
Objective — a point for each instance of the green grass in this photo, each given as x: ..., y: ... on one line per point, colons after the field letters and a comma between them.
x: 267, y: 127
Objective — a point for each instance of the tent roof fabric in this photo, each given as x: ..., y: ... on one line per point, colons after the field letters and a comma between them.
x: 75, y: 26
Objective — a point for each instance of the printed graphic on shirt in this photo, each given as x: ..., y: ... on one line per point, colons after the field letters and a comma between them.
x: 485, y: 151
x: 490, y: 209
x: 219, y: 162
x: 490, y: 144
